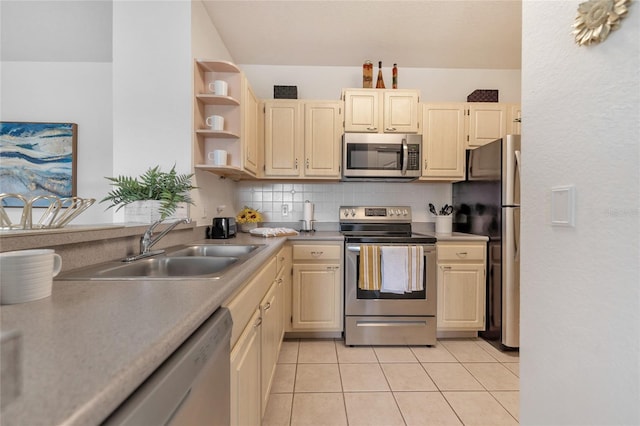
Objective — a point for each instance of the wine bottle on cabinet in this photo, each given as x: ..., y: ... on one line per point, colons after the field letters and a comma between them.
x: 380, y: 82
x: 394, y: 78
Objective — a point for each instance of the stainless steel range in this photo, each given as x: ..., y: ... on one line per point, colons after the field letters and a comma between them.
x: 390, y: 278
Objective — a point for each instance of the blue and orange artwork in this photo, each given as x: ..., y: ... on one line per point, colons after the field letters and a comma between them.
x: 37, y: 159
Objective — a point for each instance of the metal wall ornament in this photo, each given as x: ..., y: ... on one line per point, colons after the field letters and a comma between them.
x: 597, y: 18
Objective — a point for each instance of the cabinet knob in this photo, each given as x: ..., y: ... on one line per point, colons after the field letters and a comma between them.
x: 316, y: 253
x: 258, y: 322
x: 267, y: 306
x: 425, y: 164
x: 390, y: 129
x: 307, y: 163
x: 462, y: 254
x: 280, y: 280
x: 373, y: 129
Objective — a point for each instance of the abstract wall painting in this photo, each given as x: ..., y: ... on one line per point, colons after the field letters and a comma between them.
x: 37, y: 159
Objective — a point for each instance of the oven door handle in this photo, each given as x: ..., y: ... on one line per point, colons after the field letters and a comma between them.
x: 354, y: 248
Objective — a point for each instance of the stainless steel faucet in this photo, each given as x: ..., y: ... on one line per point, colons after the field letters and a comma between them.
x: 148, y: 240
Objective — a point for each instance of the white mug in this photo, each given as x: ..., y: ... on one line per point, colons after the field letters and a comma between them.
x: 216, y: 122
x: 27, y: 275
x: 218, y: 157
x: 219, y: 87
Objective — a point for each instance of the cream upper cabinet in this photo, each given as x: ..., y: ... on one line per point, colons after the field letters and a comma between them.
x: 322, y: 136
x: 381, y: 111
x: 443, y: 141
x: 317, y: 293
x: 461, y: 286
x: 302, y: 139
x: 401, y: 111
x: 514, y: 119
x: 283, y: 134
x: 251, y: 132
x: 487, y: 122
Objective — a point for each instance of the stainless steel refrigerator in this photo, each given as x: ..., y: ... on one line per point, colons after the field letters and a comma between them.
x: 488, y: 203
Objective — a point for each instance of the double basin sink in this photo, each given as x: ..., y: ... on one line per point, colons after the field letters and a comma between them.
x: 190, y: 261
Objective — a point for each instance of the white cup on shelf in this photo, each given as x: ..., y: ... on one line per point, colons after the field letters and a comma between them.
x: 218, y: 157
x: 215, y: 122
x: 27, y: 275
x: 219, y: 87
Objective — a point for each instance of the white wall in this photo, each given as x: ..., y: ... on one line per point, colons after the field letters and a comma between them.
x: 151, y: 86
x: 580, y: 318
x: 213, y: 191
x: 52, y: 75
x: 435, y: 85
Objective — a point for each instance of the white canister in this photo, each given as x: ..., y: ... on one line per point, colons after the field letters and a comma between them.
x: 444, y: 224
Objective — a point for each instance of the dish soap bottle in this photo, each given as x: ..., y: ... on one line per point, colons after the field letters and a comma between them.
x: 380, y: 82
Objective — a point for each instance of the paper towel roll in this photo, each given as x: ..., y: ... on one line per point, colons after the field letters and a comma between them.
x: 308, y: 214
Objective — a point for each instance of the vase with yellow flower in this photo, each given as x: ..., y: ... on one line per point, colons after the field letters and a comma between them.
x: 248, y: 219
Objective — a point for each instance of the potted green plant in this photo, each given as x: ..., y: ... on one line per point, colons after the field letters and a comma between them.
x: 162, y: 194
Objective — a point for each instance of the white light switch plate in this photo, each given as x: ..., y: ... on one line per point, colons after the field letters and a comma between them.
x: 563, y: 205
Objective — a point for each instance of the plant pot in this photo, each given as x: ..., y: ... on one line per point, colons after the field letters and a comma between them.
x: 247, y: 227
x: 148, y: 211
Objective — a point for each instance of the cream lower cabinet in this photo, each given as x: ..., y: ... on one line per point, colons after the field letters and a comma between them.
x: 461, y: 286
x: 317, y: 293
x: 443, y: 141
x: 257, y: 313
x: 246, y: 406
x: 302, y: 139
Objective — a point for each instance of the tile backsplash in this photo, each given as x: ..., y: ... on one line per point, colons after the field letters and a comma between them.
x: 269, y: 198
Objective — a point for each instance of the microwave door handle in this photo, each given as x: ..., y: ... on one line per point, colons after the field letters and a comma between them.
x: 405, y: 156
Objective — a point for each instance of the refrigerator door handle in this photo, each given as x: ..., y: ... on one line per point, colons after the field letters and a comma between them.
x: 516, y: 176
x: 516, y: 233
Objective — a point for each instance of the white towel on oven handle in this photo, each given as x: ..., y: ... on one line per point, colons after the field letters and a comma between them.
x: 402, y: 269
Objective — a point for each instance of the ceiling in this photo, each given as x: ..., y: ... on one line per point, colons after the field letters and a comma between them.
x: 483, y: 34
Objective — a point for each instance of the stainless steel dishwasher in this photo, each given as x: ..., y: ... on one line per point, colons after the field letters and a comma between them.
x: 192, y: 387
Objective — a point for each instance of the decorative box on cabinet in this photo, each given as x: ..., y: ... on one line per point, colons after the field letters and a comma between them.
x: 240, y: 109
x: 461, y: 286
x: 302, y: 139
x: 381, y: 111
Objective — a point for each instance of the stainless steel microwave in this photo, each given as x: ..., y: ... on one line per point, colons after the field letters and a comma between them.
x: 374, y: 156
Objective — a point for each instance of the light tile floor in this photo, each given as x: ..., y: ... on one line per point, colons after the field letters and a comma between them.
x: 456, y: 382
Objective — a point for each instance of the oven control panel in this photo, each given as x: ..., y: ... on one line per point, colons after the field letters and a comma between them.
x: 375, y: 213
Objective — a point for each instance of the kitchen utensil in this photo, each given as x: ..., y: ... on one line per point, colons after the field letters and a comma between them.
x: 446, y: 210
x: 432, y: 209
